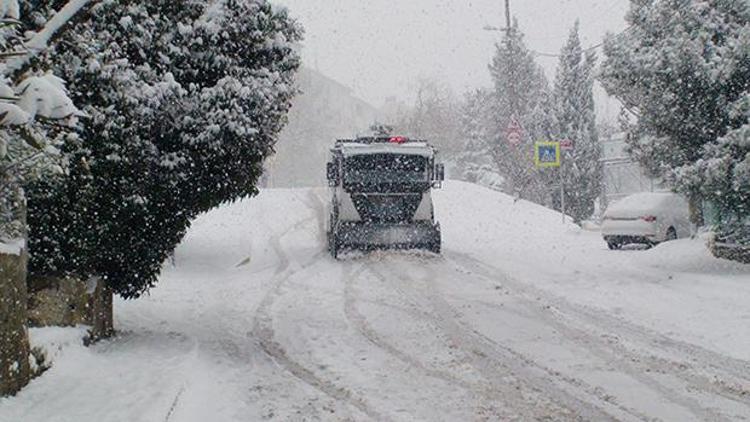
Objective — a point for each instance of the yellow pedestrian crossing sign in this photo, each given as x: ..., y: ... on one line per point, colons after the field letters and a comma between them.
x: 547, y: 154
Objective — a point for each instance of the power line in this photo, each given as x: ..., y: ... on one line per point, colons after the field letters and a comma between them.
x: 585, y: 50
x: 620, y: 34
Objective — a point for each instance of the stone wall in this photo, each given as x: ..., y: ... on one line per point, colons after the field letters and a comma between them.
x: 55, y: 301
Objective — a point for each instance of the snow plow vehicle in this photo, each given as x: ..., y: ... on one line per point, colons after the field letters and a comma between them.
x: 381, y: 195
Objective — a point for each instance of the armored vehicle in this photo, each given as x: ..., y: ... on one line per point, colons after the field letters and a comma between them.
x: 381, y: 195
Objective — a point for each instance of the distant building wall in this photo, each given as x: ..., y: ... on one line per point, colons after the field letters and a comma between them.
x: 324, y: 111
x: 623, y: 176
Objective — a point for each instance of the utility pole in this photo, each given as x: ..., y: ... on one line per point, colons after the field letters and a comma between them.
x: 562, y: 191
x: 507, y: 14
x: 508, y: 35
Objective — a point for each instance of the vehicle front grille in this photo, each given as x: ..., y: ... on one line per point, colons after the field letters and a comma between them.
x: 387, y: 208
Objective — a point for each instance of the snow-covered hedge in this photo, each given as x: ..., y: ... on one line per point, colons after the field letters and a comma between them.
x: 185, y: 100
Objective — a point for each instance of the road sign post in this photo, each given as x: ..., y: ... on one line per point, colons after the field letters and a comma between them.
x: 549, y: 155
x: 562, y: 193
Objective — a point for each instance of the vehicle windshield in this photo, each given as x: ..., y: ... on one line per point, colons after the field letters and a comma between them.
x: 385, y: 168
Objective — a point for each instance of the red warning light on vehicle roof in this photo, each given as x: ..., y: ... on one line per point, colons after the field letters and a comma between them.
x: 398, y: 140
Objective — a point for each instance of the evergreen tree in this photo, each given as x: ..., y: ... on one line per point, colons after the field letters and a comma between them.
x: 722, y: 175
x: 519, y: 88
x: 185, y: 100
x: 435, y: 117
x: 682, y: 69
x: 475, y: 164
x: 576, y: 121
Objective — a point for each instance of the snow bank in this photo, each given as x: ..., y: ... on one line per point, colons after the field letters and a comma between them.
x: 690, y: 256
x: 478, y: 219
x: 677, y: 287
x: 56, y: 341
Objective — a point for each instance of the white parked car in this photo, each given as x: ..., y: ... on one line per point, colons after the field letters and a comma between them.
x: 646, y: 218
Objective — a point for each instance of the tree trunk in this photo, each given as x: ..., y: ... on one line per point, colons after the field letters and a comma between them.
x: 102, y: 313
x: 695, y: 203
x: 15, y: 370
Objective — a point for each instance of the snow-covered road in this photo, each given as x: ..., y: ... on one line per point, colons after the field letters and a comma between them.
x: 520, y: 319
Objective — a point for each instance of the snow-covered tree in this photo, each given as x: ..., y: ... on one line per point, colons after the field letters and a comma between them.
x: 682, y: 69
x: 475, y: 163
x: 435, y: 116
x: 722, y: 174
x: 32, y: 107
x: 575, y: 120
x: 520, y: 89
x: 186, y: 99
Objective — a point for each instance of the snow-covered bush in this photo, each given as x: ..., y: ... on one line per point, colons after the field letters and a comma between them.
x: 186, y: 99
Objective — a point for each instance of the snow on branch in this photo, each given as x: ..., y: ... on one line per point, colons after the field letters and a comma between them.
x: 45, y: 96
x: 40, y: 41
x: 9, y: 9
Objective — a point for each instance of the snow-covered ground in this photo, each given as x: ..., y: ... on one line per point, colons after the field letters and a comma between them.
x: 522, y: 318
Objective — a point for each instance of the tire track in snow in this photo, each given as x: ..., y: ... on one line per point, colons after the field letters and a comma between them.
x: 561, y: 314
x: 623, y: 360
x: 610, y: 357
x: 359, y: 322
x: 263, y: 330
x: 502, y: 366
x: 528, y: 401
x: 485, y: 394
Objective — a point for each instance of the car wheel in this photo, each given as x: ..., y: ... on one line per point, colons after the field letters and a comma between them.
x: 614, y: 245
x: 671, y: 234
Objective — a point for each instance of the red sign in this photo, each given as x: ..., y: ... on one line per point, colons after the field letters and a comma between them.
x: 514, y: 132
x: 567, y: 145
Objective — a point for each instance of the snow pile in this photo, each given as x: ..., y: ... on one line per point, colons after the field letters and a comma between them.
x: 690, y: 256
x: 55, y: 342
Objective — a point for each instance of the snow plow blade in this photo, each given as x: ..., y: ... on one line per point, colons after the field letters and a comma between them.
x: 367, y: 237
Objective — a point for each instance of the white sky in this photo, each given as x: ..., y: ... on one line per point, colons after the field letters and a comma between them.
x: 381, y: 47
